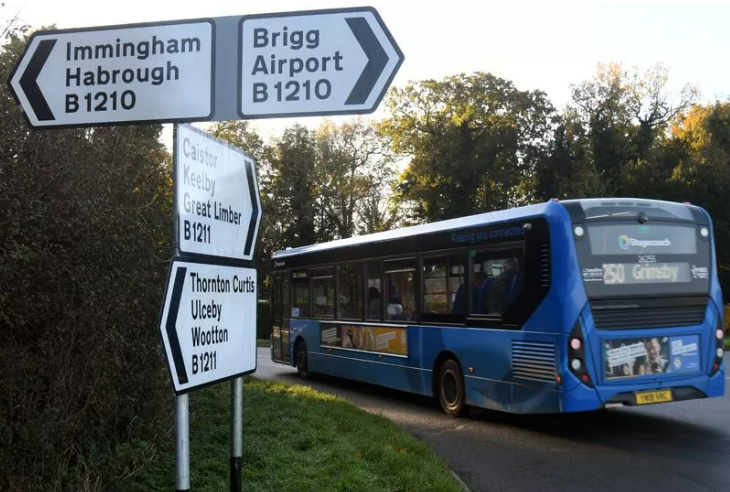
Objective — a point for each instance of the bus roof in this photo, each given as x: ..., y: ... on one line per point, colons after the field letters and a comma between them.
x: 597, y: 207
x: 439, y: 226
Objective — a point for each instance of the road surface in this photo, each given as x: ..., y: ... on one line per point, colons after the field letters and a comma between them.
x: 681, y: 446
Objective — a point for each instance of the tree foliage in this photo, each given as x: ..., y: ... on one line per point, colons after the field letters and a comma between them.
x: 83, y: 251
x: 473, y: 143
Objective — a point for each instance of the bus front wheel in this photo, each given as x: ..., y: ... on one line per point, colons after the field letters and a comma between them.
x: 300, y: 354
x: 451, y: 391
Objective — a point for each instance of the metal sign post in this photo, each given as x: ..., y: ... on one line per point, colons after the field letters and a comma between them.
x: 236, y: 434
x: 208, y: 319
x: 182, y: 444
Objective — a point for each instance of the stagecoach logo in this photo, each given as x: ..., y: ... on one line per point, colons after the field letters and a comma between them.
x: 279, y: 264
x: 625, y: 242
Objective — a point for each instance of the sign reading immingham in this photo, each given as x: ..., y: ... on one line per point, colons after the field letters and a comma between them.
x: 315, y: 63
x: 208, y: 323
x: 217, y: 198
x: 133, y: 73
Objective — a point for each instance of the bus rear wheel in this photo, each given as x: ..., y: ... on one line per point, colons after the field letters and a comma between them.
x: 301, y: 358
x: 451, y: 391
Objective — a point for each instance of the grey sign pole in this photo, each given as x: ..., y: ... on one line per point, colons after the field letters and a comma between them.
x: 182, y: 444
x: 236, y: 433
x: 182, y: 407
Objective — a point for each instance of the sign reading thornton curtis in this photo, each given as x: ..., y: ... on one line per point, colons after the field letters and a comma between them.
x: 208, y: 323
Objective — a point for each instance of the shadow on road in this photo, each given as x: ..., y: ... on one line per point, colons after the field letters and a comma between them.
x: 634, y: 430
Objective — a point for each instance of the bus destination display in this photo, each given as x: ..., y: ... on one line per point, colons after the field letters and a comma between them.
x: 638, y: 273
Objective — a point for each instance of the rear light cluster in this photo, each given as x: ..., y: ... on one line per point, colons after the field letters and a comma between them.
x: 577, y: 356
x: 719, y: 352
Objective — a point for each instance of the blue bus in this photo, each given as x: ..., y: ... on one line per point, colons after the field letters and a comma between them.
x: 562, y: 306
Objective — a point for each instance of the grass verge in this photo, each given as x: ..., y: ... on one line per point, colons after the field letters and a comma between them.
x: 727, y: 343
x: 262, y: 342
x: 297, y: 439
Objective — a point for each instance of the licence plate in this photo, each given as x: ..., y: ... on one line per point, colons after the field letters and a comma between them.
x: 653, y: 397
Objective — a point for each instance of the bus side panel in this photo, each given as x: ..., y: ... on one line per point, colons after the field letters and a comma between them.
x: 561, y: 306
x: 400, y: 373
x: 486, y: 358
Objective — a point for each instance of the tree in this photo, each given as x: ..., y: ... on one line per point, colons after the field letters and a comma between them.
x: 290, y: 177
x: 699, y: 153
x: 473, y: 143
x: 353, y: 171
x: 85, y: 241
x: 624, y: 114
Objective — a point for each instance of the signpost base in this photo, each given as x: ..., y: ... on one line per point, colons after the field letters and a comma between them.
x: 236, y: 433
x: 182, y: 444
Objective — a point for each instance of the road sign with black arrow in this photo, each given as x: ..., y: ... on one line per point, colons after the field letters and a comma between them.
x: 338, y: 61
x: 208, y: 323
x: 132, y: 73
x: 308, y: 63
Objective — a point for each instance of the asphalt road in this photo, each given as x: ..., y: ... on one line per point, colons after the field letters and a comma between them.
x: 681, y: 446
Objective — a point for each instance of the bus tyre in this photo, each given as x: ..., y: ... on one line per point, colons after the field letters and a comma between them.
x: 300, y: 354
x: 451, y: 391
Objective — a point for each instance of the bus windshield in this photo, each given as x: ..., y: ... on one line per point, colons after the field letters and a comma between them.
x: 628, y: 259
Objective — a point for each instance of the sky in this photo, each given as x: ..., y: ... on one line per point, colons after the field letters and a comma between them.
x: 546, y: 46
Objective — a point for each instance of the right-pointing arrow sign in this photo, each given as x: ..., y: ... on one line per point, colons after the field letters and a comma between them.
x: 315, y: 63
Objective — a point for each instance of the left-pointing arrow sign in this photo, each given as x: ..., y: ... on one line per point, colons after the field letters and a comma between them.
x: 29, y: 80
x: 155, y: 72
x: 208, y: 323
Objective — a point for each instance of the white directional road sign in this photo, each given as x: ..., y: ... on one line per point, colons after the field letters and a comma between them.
x: 315, y: 63
x: 208, y: 323
x: 216, y: 196
x: 133, y: 73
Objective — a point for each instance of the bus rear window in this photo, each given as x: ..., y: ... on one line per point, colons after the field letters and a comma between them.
x: 629, y: 259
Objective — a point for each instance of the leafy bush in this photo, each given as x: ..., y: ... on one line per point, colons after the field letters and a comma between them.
x: 86, y: 220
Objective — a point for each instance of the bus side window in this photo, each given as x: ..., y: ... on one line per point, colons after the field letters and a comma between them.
x: 400, y: 285
x: 323, y: 291
x: 374, y: 299
x: 300, y: 297
x: 498, y: 274
x: 349, y: 295
x: 443, y: 282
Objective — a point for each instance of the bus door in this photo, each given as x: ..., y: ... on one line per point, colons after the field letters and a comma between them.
x: 280, y: 317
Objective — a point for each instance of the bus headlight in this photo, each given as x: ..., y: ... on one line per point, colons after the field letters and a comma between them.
x: 719, y: 334
x: 720, y: 353
x: 579, y: 231
x: 704, y: 232
x: 576, y: 364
